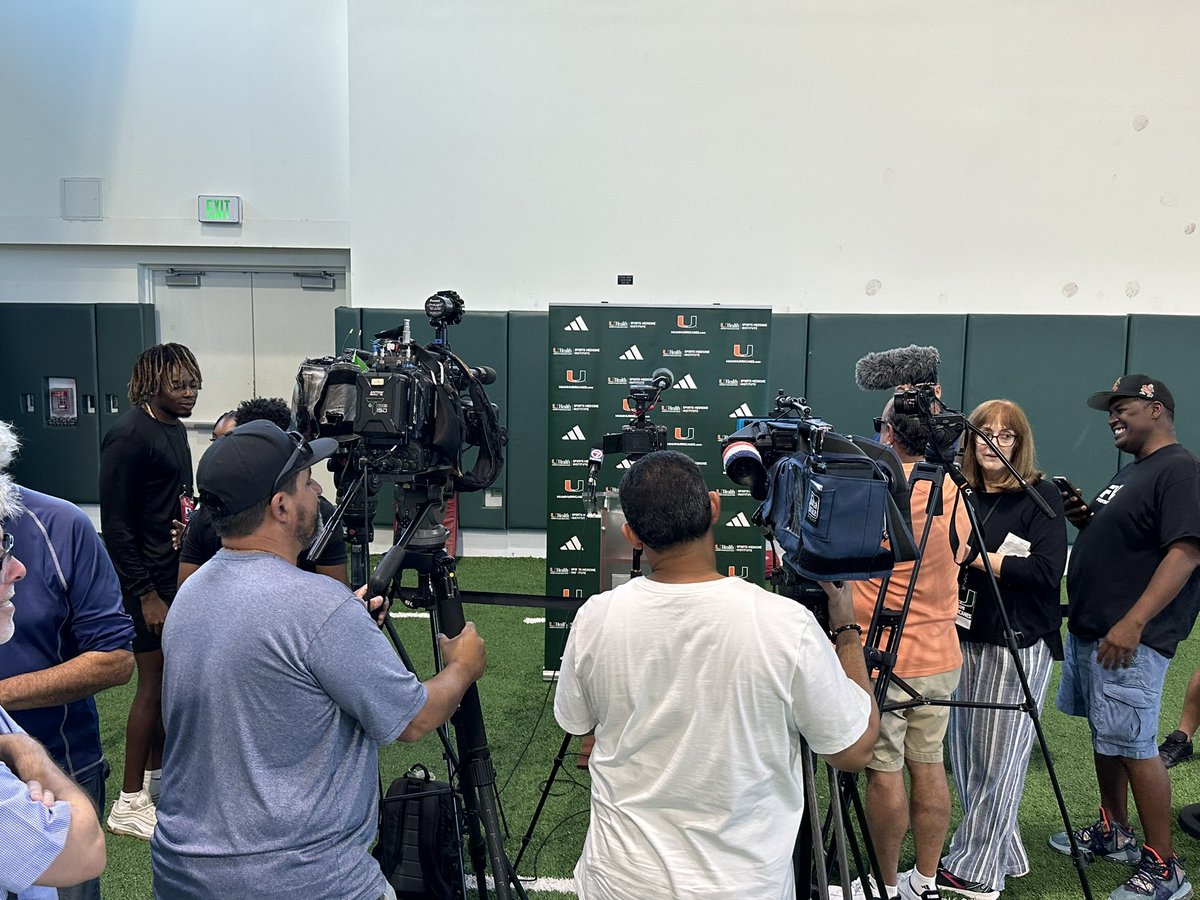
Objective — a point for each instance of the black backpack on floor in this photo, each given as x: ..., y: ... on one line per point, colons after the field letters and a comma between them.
x: 419, y: 847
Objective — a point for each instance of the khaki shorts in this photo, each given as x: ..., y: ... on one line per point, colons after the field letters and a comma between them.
x: 915, y: 733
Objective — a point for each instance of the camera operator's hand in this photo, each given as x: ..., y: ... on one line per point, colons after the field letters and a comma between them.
x: 377, y: 606
x: 464, y: 662
x: 465, y: 650
x: 841, y: 603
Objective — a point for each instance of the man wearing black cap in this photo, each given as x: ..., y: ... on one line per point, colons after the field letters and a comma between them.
x: 1134, y: 593
x: 278, y: 691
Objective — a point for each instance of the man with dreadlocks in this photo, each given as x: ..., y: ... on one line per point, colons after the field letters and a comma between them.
x: 145, y: 483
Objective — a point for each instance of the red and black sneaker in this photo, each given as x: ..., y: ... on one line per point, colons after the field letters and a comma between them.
x: 950, y: 883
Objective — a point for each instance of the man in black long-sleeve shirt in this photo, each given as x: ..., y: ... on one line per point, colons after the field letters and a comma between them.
x: 145, y: 483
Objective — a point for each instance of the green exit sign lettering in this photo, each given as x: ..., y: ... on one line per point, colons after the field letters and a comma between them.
x: 220, y: 210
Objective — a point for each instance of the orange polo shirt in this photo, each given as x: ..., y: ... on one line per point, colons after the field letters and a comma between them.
x: 929, y: 642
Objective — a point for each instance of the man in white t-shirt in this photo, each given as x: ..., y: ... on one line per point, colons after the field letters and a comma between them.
x: 699, y: 688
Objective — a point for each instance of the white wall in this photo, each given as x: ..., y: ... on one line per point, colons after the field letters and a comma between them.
x: 51, y: 274
x: 852, y: 155
x: 165, y: 101
x: 849, y: 155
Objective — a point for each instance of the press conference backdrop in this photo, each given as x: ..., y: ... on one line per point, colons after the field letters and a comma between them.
x: 718, y: 359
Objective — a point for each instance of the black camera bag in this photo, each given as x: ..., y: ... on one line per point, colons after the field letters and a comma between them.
x: 418, y: 847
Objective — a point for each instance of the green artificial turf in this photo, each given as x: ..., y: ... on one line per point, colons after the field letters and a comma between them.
x: 524, y: 740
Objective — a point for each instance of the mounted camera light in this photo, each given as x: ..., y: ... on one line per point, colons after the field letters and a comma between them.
x: 444, y: 308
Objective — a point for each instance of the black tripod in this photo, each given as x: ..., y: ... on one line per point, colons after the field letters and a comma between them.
x: 939, y: 463
x: 420, y: 547
x: 635, y: 571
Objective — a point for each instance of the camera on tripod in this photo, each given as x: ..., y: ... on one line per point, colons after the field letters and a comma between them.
x: 837, y: 505
x: 641, y: 436
x: 403, y: 411
x: 636, y: 437
x: 921, y: 402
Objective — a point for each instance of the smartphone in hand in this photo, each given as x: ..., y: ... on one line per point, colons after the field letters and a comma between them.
x: 1068, y: 490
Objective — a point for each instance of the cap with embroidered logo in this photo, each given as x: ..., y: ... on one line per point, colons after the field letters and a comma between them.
x: 1143, y: 387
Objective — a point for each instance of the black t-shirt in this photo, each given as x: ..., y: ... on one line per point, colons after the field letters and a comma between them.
x: 144, y: 467
x: 1030, y: 584
x: 1150, y: 504
x: 201, y: 542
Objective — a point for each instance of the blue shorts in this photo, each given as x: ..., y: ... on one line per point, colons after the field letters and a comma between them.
x: 1121, y: 705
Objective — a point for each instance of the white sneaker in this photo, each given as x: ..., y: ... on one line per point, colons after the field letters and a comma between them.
x: 908, y: 890
x: 135, y: 817
x: 857, y: 892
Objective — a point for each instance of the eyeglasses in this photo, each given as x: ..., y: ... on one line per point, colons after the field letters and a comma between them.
x: 1001, y: 438
x: 295, y: 462
x: 6, y: 549
x: 879, y: 421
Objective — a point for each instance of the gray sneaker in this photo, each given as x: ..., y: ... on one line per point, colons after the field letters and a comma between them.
x: 1156, y: 879
x: 1102, y: 840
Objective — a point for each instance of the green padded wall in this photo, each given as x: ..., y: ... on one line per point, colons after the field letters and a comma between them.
x: 788, y: 362
x: 528, y: 400
x: 836, y: 342
x: 1050, y: 365
x: 123, y: 330
x: 63, y: 460
x: 480, y: 340
x: 1164, y: 347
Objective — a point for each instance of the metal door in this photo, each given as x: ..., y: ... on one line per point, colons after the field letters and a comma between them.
x: 249, y: 332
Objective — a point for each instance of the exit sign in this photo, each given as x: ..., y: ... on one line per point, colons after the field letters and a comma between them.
x: 222, y: 210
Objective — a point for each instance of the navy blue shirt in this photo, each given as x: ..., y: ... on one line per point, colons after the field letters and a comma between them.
x: 69, y: 603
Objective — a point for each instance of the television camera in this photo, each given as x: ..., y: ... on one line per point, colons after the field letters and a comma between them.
x: 837, y: 505
x: 402, y: 413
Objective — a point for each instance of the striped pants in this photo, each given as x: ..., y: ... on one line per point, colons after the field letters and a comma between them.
x: 989, y: 751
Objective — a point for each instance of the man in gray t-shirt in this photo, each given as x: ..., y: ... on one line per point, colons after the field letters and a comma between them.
x: 278, y: 690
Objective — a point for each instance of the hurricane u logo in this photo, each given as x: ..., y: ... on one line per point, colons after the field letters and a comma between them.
x: 743, y: 351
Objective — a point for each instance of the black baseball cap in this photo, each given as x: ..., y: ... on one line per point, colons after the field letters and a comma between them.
x: 252, y: 463
x: 1136, y: 385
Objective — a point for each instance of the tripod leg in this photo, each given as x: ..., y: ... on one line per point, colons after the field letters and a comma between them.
x: 537, y: 813
x: 477, y: 777
x: 809, y: 857
x: 837, y: 808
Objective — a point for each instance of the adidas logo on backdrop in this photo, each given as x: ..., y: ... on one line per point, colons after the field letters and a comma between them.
x: 575, y: 434
x: 573, y: 544
x: 632, y: 353
x: 686, y: 383
x: 576, y: 324
x: 741, y: 412
x: 739, y: 521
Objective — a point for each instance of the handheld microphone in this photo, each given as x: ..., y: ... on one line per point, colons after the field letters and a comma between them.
x: 885, y: 370
x: 595, y: 461
x: 662, y: 379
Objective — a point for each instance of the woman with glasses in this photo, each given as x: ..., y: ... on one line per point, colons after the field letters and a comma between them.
x: 989, y: 748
